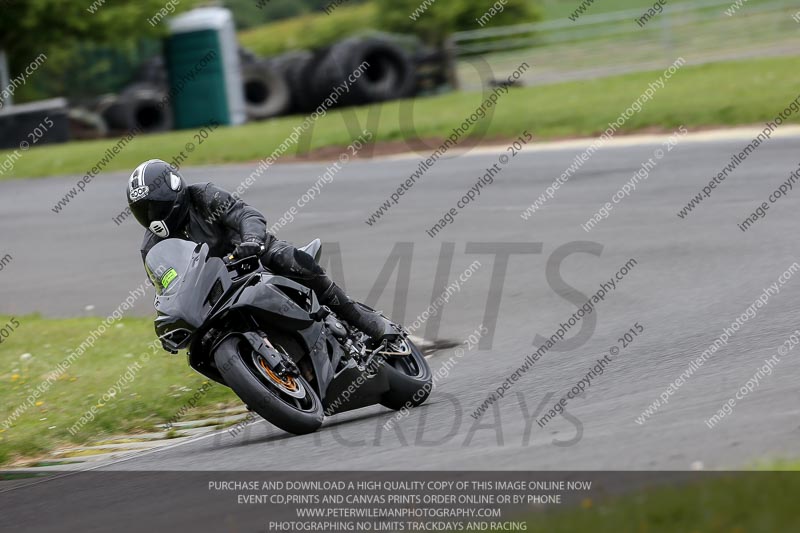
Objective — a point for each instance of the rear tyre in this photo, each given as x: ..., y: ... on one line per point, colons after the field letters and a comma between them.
x: 410, y: 379
x: 292, y: 405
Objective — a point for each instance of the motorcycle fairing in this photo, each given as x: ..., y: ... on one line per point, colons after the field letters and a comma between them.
x: 278, y: 300
x: 194, y: 289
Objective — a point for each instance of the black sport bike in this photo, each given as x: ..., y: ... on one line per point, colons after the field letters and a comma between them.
x: 266, y: 337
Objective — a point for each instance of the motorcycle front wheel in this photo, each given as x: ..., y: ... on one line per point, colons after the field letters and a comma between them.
x: 288, y: 403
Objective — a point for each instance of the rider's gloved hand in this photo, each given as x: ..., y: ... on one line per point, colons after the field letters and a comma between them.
x: 248, y: 249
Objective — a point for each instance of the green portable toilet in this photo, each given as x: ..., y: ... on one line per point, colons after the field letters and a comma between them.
x: 203, y: 64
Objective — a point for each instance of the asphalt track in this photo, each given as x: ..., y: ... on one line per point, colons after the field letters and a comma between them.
x: 693, y: 278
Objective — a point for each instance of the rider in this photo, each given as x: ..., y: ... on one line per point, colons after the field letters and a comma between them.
x: 162, y: 202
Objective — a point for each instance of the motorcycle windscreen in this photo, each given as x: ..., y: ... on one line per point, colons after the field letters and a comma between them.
x: 167, y: 262
x: 188, y: 282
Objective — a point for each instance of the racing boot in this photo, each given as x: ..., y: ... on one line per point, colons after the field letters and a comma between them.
x: 372, y: 323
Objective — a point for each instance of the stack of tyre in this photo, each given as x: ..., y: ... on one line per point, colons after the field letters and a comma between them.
x: 143, y: 104
x: 353, y: 72
x: 368, y: 70
x: 358, y: 70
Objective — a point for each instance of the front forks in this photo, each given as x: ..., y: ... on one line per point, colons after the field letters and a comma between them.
x: 280, y: 363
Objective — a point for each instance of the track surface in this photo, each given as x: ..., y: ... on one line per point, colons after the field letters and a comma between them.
x: 693, y: 278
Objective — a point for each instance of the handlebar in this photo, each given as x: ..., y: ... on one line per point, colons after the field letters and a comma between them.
x: 243, y: 266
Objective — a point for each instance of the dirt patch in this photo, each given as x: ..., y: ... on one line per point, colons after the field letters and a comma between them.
x: 424, y: 147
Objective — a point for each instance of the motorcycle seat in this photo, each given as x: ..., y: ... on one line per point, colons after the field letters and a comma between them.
x: 314, y: 249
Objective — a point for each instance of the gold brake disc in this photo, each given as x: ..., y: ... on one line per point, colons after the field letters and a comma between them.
x: 288, y: 382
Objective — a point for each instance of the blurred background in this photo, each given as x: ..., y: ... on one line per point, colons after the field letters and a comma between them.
x: 107, y: 67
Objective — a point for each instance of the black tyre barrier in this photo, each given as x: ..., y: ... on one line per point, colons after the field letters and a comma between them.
x: 266, y: 91
x: 153, y: 71
x: 431, y: 71
x: 87, y: 124
x: 246, y: 57
x: 140, y: 106
x: 388, y: 73
x: 297, y: 68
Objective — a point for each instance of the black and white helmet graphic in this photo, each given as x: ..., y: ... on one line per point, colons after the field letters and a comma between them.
x: 157, y: 197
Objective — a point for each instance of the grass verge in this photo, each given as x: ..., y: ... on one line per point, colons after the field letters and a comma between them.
x: 717, y: 94
x: 144, y: 399
x: 752, y: 502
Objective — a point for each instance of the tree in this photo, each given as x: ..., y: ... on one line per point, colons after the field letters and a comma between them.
x: 251, y: 13
x: 31, y: 27
x: 436, y: 23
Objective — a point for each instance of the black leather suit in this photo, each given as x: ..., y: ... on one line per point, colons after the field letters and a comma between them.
x: 220, y: 220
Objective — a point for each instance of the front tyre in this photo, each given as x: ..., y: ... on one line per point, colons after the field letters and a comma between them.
x: 290, y: 404
x: 410, y: 378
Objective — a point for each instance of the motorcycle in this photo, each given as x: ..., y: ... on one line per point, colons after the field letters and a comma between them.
x: 288, y: 358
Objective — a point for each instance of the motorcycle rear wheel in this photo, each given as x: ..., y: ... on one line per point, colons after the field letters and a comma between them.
x: 410, y: 379
x: 290, y: 404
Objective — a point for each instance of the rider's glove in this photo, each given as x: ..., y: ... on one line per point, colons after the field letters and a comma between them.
x: 248, y: 249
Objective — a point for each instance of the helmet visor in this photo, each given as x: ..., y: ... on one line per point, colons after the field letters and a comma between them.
x: 147, y: 211
x: 159, y: 210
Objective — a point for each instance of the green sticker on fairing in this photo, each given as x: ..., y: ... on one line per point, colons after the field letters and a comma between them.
x: 168, y: 277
